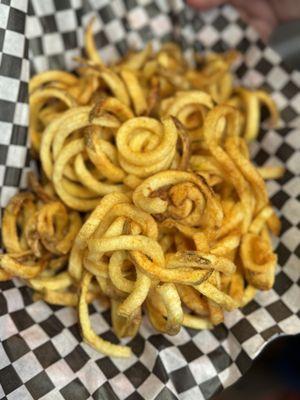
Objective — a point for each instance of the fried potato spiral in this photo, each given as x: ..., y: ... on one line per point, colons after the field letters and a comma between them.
x: 175, y: 218
x: 146, y: 146
x: 181, y: 196
x: 36, y: 234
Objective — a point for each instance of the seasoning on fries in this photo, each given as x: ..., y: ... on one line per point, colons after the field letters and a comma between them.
x: 148, y: 200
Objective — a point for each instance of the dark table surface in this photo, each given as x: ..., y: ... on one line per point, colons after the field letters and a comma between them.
x: 286, y: 41
x: 274, y: 375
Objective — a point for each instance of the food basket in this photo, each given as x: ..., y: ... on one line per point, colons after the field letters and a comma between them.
x: 42, y: 354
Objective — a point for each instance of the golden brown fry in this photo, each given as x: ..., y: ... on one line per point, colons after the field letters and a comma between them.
x: 58, y: 282
x: 135, y: 91
x: 232, y: 145
x: 62, y: 128
x: 250, y: 102
x: 136, y: 297
x: 195, y: 322
x: 189, y: 107
x: 192, y: 201
x: 258, y: 260
x: 172, y: 303
x: 135, y: 61
x: 88, y: 229
x: 72, y: 149
x: 90, y: 45
x: 219, y: 297
x: 47, y: 77
x: 123, y: 326
x: 193, y: 300
x: 89, y: 335
x: 142, y: 249
x: 176, y: 217
x: 57, y: 229
x: 115, y: 85
x: 44, y: 193
x: 20, y: 206
x: 103, y: 155
x: 196, y: 259
x: 21, y: 267
x: 146, y: 146
x: 270, y: 172
x: 38, y: 99
x: 248, y: 295
x: 4, y: 276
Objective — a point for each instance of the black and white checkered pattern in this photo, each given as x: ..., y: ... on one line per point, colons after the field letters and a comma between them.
x: 14, y: 74
x: 41, y: 351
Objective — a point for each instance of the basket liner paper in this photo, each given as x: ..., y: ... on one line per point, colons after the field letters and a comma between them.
x: 41, y: 351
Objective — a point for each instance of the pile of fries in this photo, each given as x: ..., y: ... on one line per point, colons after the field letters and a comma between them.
x: 147, y: 199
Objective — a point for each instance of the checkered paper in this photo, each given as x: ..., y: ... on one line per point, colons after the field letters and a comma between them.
x: 42, y: 355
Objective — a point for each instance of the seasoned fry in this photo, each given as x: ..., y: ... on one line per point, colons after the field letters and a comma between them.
x: 123, y: 326
x: 250, y: 102
x: 182, y: 196
x: 89, y: 335
x: 174, y: 220
x: 19, y: 209
x: 57, y: 229
x: 146, y: 146
x: 270, y: 172
x: 136, y: 297
x: 60, y: 281
x: 90, y: 45
x: 22, y: 267
x: 64, y: 78
x: 190, y: 108
x: 135, y: 91
x: 195, y: 322
x: 38, y: 99
x: 172, y: 303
